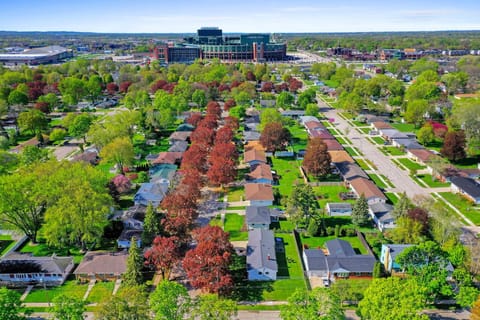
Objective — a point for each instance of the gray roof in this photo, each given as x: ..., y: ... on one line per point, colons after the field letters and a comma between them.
x: 257, y: 215
x: 178, y: 146
x: 287, y: 113
x: 101, y: 262
x: 357, y: 263
x: 339, y: 248
x: 261, y: 250
x: 339, y: 205
x: 150, y: 192
x: 393, y: 134
x: 252, y: 126
x: 396, y: 249
x: 468, y: 185
x: 409, y: 143
x: 316, y: 259
x: 305, y: 119
x: 30, y: 264
x: 350, y: 171
x: 251, y: 135
x: 127, y: 234
x: 162, y: 171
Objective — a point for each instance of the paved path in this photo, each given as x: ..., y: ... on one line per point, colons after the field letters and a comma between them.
x: 91, y: 284
x: 118, y: 282
x: 25, y: 294
x: 400, y: 179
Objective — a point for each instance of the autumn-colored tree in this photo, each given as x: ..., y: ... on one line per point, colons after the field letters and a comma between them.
x: 124, y: 86
x: 181, y: 212
x: 274, y: 136
x: 420, y: 215
x: 195, y: 158
x: 213, y: 108
x: 317, y: 160
x: 207, y: 265
x: 232, y: 122
x: 163, y: 255
x: 122, y: 183
x: 294, y: 85
x: 222, y: 171
x: 160, y: 84
x: 112, y: 88
x: 250, y: 76
x: 281, y: 87
x: 194, y: 118
x: 203, y: 136
x: 454, y: 146
x: 42, y: 106
x: 191, y: 183
x: 229, y: 104
x: 209, y: 121
x: 224, y: 135
x: 267, y: 86
x: 223, y: 150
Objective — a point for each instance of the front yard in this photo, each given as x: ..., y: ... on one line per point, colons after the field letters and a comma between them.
x: 462, y: 204
x: 70, y: 288
x: 235, y: 194
x: 410, y: 165
x: 430, y: 181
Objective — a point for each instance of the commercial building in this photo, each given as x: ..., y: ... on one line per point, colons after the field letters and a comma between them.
x: 36, y: 56
x: 210, y: 43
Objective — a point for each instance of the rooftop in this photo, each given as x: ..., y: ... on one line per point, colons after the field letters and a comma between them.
x: 101, y: 262
x: 258, y: 191
x: 261, y: 250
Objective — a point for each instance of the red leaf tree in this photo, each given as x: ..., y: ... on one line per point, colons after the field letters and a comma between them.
x: 122, y: 184
x: 317, y: 160
x: 112, y: 88
x: 223, y: 150
x: 124, y: 86
x: 209, y: 121
x: 232, y: 123
x: 203, y: 136
x: 454, y: 146
x: 207, y: 266
x: 213, y: 108
x: 42, y: 106
x: 195, y: 158
x: 194, y: 118
x: 224, y: 135
x: 267, y: 86
x: 163, y: 255
x: 222, y: 171
x: 160, y: 84
x: 229, y: 104
x: 294, y: 85
x: 274, y: 136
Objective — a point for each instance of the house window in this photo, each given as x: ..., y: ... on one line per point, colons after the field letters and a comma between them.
x: 266, y: 272
x: 259, y: 272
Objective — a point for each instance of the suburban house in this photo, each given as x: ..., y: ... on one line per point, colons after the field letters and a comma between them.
x: 261, y: 257
x: 338, y: 209
x: 333, y: 144
x: 381, y: 214
x: 162, y: 172
x: 185, y: 127
x: 259, y: 194
x: 362, y: 186
x: 169, y: 158
x: 133, y: 217
x: 389, y: 254
x: 305, y: 119
x: 22, y: 269
x: 254, y: 157
x: 421, y: 156
x: 261, y: 173
x: 322, y: 134
x: 178, y: 146
x: 101, y: 265
x: 312, y: 126
x: 125, y: 238
x: 90, y: 156
x: 407, y: 143
x: 350, y: 171
x: 151, y: 193
x: 467, y: 187
x: 339, y: 156
x: 338, y: 261
x: 259, y: 217
x: 179, y: 136
x: 294, y: 114
x: 391, y: 134
x: 251, y: 136
x: 380, y: 125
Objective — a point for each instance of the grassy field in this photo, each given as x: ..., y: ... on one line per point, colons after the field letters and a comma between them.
x: 392, y: 197
x: 327, y: 194
x: 42, y: 249
x: 433, y: 183
x: 462, y: 204
x: 235, y: 225
x: 289, y: 172
x: 101, y: 291
x: 410, y: 165
x: 319, y: 242
x: 299, y: 137
x: 331, y: 83
x: 70, y: 288
x: 235, y: 194
x: 378, y: 140
x: 394, y: 151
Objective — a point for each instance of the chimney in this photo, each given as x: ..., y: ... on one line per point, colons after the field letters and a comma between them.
x: 268, y: 256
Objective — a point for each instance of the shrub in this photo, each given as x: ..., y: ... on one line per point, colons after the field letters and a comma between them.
x: 330, y: 231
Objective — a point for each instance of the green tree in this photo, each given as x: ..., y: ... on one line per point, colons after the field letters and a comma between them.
x: 68, y: 308
x: 33, y: 121
x: 426, y: 135
x: 360, y: 212
x: 407, y: 231
x: 120, y: 151
x: 94, y: 87
x: 33, y: 154
x: 10, y: 305
x: 72, y: 90
x: 416, y: 111
x: 393, y: 298
x: 400, y: 209
x: 467, y: 295
x: 170, y: 301
x: 269, y: 115
x: 57, y: 135
x: 151, y: 225
x: 320, y: 303
x: 133, y: 276
x: 285, y: 100
x: 137, y: 99
x: 306, y: 97
x: 131, y: 303
x: 301, y: 204
x: 8, y: 162
x: 16, y: 97
x: 311, y: 110
x: 51, y: 99
x: 200, y: 98
x: 80, y: 126
x: 210, y: 306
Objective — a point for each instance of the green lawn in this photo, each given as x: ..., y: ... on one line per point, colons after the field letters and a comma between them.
x: 378, y: 140
x: 70, y: 288
x: 389, y: 183
x: 235, y: 225
x: 331, y: 83
x: 404, y: 127
x: 431, y: 182
x: 394, y: 151
x: 392, y: 197
x: 365, y: 130
x: 352, y: 151
x: 289, y: 172
x: 101, y: 291
x: 299, y: 137
x: 361, y: 124
x: 42, y: 249
x: 341, y: 140
x: 363, y: 164
x: 327, y: 194
x: 289, y: 269
x: 319, y: 242
x: 377, y: 181
x: 410, y: 165
x: 235, y: 194
x: 462, y: 204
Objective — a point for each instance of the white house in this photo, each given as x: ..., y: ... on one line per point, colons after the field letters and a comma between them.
x: 261, y: 257
x: 339, y: 209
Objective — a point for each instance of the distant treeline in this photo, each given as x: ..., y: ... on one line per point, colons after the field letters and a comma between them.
x: 369, y: 41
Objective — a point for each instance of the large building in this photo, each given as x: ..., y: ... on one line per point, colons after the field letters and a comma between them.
x: 210, y: 43
x: 36, y: 56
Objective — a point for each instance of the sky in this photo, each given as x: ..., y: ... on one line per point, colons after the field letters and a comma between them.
x: 183, y: 16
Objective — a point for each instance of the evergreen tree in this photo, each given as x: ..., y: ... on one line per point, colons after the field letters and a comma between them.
x: 360, y: 211
x: 133, y: 276
x: 151, y: 225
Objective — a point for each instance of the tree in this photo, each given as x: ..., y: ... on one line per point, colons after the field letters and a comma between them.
x: 426, y: 135
x: 393, y: 298
x: 72, y: 90
x: 32, y: 120
x: 213, y: 108
x: 170, y: 301
x: 420, y: 215
x: 11, y: 305
x: 306, y: 97
x: 210, y: 306
x: 416, y: 111
x: 120, y: 151
x: 224, y: 135
x: 16, y: 97
x: 317, y: 160
x: 466, y: 296
x: 130, y: 303
x: 320, y: 303
x: 285, y: 100
x: 33, y: 154
x: 120, y: 124
x: 301, y: 204
x: 207, y: 265
x: 94, y: 87
x: 57, y: 135
x: 112, y: 88
x: 151, y: 225
x: 400, y: 209
x: 199, y: 98
x: 203, y: 136
x: 222, y: 171
x: 8, y: 162
x: 163, y: 255
x: 68, y: 308
x: 454, y: 146
x: 274, y: 137
x: 360, y: 212
x: 80, y: 126
x: 133, y: 275
x: 312, y: 110
x: 407, y: 230
x: 269, y: 115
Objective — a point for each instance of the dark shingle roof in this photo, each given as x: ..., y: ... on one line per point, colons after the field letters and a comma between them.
x: 257, y: 215
x: 261, y: 250
x: 340, y: 248
x: 316, y: 259
x: 469, y: 186
x: 30, y: 264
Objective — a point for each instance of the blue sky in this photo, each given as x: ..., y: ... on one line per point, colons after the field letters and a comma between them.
x: 182, y: 16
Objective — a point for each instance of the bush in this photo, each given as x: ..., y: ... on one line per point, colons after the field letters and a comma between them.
x: 350, y: 232
x: 330, y: 231
x: 312, y: 229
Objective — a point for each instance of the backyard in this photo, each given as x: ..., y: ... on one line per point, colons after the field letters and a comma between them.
x: 234, y: 225
x: 41, y: 249
x: 319, y: 242
x: 289, y: 172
